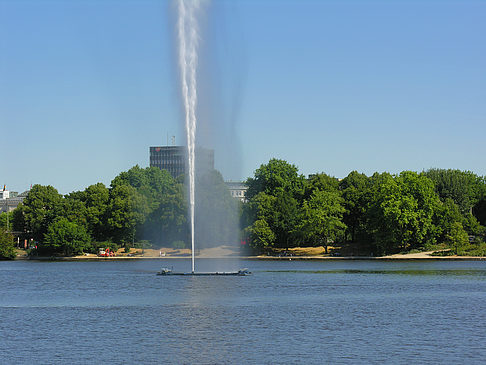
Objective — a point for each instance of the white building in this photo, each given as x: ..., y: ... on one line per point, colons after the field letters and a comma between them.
x: 237, y: 189
x: 9, y: 200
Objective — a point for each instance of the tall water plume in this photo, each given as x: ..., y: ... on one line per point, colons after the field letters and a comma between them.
x: 188, y: 38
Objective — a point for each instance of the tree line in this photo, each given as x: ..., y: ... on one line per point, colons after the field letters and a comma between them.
x: 141, y: 207
x: 369, y: 215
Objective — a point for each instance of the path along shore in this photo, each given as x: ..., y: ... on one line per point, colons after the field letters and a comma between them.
x: 226, y: 252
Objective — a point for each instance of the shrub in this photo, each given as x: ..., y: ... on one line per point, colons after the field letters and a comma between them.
x: 7, y: 248
x: 178, y: 244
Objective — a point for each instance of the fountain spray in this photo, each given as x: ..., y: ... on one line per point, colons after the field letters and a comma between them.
x: 188, y: 37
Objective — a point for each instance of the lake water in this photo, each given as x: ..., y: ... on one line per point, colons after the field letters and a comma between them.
x: 287, y: 312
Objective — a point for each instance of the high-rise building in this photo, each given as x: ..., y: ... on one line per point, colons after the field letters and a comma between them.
x: 174, y: 159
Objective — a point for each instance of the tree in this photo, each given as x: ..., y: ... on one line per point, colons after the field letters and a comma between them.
x: 127, y: 210
x: 96, y: 201
x: 165, y: 211
x: 275, y: 196
x: 65, y: 237
x: 401, y: 212
x: 463, y: 187
x: 479, y: 211
x: 216, y: 211
x: 355, y: 191
x: 277, y: 174
x: 73, y: 208
x: 263, y: 236
x: 7, y: 247
x: 322, y: 219
x: 6, y: 221
x: 446, y: 215
x: 322, y: 182
x: 457, y: 237
x: 39, y: 209
x: 259, y: 211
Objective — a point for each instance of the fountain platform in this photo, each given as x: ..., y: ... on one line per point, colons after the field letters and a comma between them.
x: 169, y: 272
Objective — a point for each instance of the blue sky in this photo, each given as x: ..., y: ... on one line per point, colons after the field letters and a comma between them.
x: 330, y: 86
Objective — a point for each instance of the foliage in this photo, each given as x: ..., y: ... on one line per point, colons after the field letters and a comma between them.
x: 380, y: 214
x: 217, y: 220
x: 165, y: 208
x: 401, y: 214
x: 6, y: 218
x: 355, y: 189
x: 322, y: 217
x: 178, y: 245
x: 457, y: 237
x: 276, y: 175
x: 65, y: 237
x: 7, y: 247
x: 39, y: 210
x: 479, y: 211
x: 463, y: 187
x: 96, y: 199
x: 275, y: 195
x: 127, y: 211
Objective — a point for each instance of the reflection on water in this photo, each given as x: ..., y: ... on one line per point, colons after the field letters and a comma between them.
x: 286, y: 312
x: 463, y: 272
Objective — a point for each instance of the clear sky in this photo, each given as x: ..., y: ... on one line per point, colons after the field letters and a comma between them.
x: 86, y: 86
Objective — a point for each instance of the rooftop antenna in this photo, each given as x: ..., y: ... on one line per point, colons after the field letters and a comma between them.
x: 167, y: 139
x: 173, y: 140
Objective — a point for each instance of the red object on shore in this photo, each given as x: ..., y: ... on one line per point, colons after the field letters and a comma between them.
x: 106, y: 253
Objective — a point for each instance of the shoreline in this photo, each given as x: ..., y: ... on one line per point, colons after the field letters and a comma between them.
x: 259, y: 258
x: 232, y: 253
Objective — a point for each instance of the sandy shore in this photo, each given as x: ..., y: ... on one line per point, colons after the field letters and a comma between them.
x: 233, y: 252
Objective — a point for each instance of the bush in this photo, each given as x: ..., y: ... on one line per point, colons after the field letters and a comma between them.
x: 142, y: 244
x: 7, y: 248
x: 95, y: 247
x: 443, y: 253
x: 178, y: 244
x: 473, y: 249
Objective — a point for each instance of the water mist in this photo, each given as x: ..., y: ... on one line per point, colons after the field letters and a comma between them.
x: 188, y: 37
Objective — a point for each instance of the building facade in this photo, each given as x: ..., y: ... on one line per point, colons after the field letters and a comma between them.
x: 237, y: 189
x: 9, y: 200
x: 174, y: 159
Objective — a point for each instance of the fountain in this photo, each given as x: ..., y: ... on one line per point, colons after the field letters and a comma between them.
x: 188, y: 40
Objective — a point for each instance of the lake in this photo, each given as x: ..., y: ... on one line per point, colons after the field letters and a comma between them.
x: 298, y: 312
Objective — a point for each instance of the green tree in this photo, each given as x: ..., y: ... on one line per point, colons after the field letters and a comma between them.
x: 65, y: 237
x: 263, y: 236
x: 166, y: 209
x: 7, y: 247
x: 479, y: 211
x: 446, y: 215
x: 127, y: 210
x: 261, y: 209
x: 355, y: 190
x: 401, y: 213
x: 321, y: 182
x: 457, y: 237
x: 39, y: 209
x: 463, y: 187
x: 276, y: 175
x: 97, y: 198
x: 73, y: 208
x: 6, y: 221
x: 275, y: 197
x: 322, y: 219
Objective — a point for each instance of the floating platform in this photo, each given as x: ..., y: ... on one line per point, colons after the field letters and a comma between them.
x: 168, y: 272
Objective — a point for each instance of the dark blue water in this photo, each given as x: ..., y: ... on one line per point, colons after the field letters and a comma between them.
x: 300, y: 312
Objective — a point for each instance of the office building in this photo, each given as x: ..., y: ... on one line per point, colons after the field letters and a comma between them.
x: 174, y: 159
